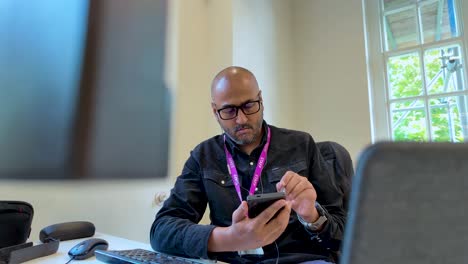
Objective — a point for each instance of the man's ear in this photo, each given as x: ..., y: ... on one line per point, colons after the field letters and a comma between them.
x: 213, y: 107
x: 261, y: 98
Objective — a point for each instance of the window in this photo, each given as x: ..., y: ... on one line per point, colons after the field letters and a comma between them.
x: 416, y: 56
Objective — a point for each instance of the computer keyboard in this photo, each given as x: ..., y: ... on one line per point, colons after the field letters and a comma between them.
x: 140, y: 256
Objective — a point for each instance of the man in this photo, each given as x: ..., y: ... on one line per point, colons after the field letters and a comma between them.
x: 251, y: 157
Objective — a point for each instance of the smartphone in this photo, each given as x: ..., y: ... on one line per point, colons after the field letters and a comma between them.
x: 259, y: 202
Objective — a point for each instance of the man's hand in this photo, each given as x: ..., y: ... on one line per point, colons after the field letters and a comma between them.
x: 246, y: 233
x: 302, y: 195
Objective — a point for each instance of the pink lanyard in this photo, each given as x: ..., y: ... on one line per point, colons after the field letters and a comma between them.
x: 258, y: 170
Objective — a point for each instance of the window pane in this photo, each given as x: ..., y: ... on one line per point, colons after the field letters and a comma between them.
x: 448, y: 118
x: 438, y: 21
x: 401, y: 29
x: 404, y: 76
x: 409, y: 121
x: 390, y: 4
x: 443, y: 69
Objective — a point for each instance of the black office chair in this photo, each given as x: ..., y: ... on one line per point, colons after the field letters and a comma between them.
x: 408, y: 205
x: 341, y: 164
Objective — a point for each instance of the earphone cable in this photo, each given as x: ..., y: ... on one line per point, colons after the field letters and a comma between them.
x: 278, y: 254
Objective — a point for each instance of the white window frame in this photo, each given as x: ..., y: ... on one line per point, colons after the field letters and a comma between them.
x: 376, y: 72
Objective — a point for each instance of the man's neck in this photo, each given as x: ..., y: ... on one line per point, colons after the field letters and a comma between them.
x: 248, y: 149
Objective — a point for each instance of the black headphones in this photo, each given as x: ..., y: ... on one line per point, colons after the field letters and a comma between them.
x: 15, y: 228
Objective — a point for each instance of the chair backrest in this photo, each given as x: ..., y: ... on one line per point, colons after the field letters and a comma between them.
x: 341, y: 164
x: 408, y: 205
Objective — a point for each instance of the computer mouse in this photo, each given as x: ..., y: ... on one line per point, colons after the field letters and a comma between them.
x: 85, y: 249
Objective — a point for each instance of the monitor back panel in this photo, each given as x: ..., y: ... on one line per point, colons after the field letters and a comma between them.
x: 409, y: 204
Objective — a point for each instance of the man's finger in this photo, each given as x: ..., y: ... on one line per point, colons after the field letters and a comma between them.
x: 268, y: 213
x: 240, y: 213
x: 284, y: 212
x: 279, y: 187
x: 301, y: 185
x: 285, y: 180
x: 277, y: 225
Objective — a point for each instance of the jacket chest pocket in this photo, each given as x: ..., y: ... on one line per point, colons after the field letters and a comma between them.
x: 222, y: 195
x: 217, y: 178
x: 277, y: 172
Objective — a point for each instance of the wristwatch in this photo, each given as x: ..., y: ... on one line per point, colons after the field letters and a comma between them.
x: 314, y: 226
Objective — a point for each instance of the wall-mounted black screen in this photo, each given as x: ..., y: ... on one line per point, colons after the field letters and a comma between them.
x: 81, y: 89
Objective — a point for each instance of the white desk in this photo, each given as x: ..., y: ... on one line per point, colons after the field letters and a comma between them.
x: 115, y: 243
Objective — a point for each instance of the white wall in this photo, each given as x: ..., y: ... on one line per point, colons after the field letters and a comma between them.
x: 204, y: 46
x: 122, y: 208
x: 309, y: 59
x: 330, y: 71
x: 262, y: 43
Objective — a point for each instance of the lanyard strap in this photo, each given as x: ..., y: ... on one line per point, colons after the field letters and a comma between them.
x: 258, y: 170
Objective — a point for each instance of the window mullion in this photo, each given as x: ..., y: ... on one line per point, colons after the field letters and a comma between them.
x: 447, y: 42
x: 431, y: 96
x: 428, y: 117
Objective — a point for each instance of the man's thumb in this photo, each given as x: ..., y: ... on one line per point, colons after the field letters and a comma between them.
x: 240, y: 213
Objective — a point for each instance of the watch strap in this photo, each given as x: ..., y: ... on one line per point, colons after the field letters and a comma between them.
x: 314, y: 226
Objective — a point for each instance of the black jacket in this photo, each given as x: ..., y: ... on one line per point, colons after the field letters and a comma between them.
x: 205, y: 180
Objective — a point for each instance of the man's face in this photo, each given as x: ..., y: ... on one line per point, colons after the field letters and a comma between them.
x: 244, y: 129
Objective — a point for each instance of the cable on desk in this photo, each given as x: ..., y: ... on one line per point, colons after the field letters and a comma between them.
x: 72, y: 258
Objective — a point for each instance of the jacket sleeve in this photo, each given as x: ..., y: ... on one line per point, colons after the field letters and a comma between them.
x: 330, y: 196
x: 175, y: 229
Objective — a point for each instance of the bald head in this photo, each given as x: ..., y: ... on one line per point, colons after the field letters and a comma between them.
x: 233, y: 80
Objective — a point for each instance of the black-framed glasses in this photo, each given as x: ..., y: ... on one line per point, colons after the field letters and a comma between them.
x: 248, y: 108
